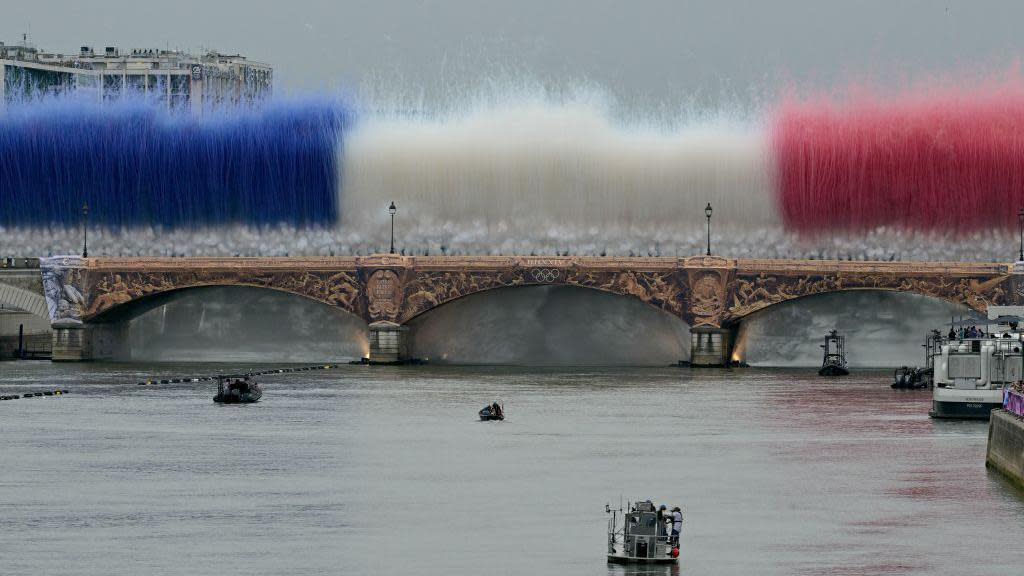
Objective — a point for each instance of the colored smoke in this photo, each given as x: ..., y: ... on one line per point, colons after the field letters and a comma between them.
x: 136, y: 163
x: 925, y: 175
x: 931, y: 159
x: 549, y: 175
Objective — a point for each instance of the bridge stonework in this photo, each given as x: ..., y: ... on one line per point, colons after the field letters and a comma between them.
x: 709, y: 293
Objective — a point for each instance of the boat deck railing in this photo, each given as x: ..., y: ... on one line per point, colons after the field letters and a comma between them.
x: 1001, y: 345
x: 616, y: 537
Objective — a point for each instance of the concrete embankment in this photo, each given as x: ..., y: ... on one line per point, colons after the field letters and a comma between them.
x: 1006, y: 445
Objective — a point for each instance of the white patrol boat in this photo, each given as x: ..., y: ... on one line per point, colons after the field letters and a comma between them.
x: 971, y: 370
x: 645, y: 536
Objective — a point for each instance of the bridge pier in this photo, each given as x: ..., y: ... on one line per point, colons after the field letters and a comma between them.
x: 388, y: 342
x: 70, y: 343
x: 710, y: 346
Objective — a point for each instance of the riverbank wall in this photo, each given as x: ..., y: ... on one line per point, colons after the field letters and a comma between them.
x: 1006, y: 445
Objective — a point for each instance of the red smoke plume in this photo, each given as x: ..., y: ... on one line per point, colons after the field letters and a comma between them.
x: 934, y: 160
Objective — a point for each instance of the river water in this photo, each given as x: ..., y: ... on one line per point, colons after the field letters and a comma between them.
x: 379, y: 470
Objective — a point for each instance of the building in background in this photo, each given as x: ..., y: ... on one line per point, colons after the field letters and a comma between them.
x: 180, y: 79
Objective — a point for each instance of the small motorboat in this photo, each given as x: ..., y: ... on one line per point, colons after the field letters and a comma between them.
x: 834, y: 362
x: 905, y: 378
x: 237, y: 389
x: 646, y: 535
x: 493, y: 412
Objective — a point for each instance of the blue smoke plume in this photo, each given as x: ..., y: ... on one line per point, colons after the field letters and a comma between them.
x: 137, y: 163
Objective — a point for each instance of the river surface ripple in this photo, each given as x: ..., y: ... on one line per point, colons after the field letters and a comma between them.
x: 387, y: 471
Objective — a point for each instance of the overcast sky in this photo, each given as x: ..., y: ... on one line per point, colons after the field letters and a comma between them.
x: 649, y: 52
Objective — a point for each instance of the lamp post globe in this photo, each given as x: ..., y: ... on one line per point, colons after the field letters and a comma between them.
x: 391, y: 210
x: 707, y: 214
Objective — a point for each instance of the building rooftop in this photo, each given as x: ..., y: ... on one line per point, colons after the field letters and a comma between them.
x: 110, y: 56
x: 173, y: 75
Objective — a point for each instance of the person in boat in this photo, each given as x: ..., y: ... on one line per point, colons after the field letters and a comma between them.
x: 952, y: 333
x: 496, y: 410
x: 677, y: 525
x: 664, y: 521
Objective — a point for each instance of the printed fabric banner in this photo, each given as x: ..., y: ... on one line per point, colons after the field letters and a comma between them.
x: 1013, y: 402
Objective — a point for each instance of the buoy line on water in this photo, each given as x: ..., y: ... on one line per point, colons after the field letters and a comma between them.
x: 62, y: 392
x: 261, y: 373
x: 34, y: 394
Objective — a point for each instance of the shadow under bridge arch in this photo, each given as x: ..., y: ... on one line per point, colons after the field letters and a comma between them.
x: 555, y: 324
x: 883, y: 328
x: 232, y: 323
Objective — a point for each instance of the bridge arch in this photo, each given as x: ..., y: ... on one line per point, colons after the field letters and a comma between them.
x: 630, y: 285
x: 756, y: 292
x: 228, y: 322
x: 772, y: 304
x: 23, y: 300
x: 115, y: 290
x: 882, y: 327
x: 548, y: 324
x: 663, y: 290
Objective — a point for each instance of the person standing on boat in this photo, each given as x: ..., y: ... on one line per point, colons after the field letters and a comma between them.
x: 677, y: 525
x: 664, y: 523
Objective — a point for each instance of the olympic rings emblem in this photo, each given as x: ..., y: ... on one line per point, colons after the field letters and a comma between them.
x: 545, y: 275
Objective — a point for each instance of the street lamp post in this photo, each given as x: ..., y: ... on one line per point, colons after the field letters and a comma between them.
x: 85, y: 230
x: 707, y: 214
x: 392, y: 209
x: 1020, y: 229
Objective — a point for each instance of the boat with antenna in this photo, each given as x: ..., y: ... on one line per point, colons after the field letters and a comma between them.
x: 834, y: 362
x: 646, y: 536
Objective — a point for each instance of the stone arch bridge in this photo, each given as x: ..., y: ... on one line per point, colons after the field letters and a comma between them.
x: 710, y: 293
